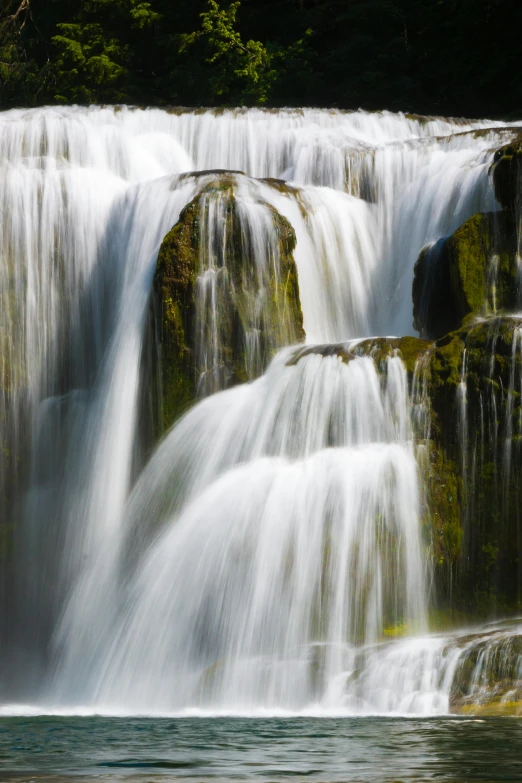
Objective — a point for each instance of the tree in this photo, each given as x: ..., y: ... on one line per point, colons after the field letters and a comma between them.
x: 17, y: 69
x: 240, y: 72
x: 94, y: 50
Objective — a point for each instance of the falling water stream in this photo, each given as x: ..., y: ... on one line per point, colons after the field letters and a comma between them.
x: 263, y: 556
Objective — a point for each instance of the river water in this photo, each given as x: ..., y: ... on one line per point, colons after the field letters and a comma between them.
x: 56, y: 749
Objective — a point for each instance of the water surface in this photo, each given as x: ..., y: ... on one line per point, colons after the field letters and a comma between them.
x: 269, y: 749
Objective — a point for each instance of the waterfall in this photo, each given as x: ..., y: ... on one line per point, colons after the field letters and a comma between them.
x: 266, y: 550
x: 300, y: 524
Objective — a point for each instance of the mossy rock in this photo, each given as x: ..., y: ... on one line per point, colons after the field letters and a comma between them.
x: 472, y: 272
x: 471, y: 515
x: 174, y: 283
x: 506, y: 171
x: 475, y: 462
x: 263, y: 308
x: 444, y: 497
x: 409, y: 349
x: 340, y: 350
x: 487, y: 677
x: 489, y: 354
x: 493, y: 708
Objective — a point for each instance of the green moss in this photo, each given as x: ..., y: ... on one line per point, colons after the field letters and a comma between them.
x: 410, y: 350
x: 174, y: 288
x: 447, y: 618
x: 471, y: 509
x: 474, y: 536
x: 277, y: 322
x: 474, y: 272
x: 444, y: 494
x: 281, y: 185
x: 498, y: 690
x: 469, y: 249
x: 397, y: 631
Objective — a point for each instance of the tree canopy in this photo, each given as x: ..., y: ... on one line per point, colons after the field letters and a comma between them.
x: 452, y: 57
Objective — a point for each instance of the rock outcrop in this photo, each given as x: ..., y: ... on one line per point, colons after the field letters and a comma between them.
x: 466, y: 288
x: 474, y: 272
x: 488, y: 675
x: 507, y: 175
x: 226, y: 292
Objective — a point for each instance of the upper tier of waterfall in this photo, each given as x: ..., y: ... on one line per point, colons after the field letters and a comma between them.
x: 260, y: 555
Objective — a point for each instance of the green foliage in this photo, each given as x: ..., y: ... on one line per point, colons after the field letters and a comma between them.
x: 18, y: 73
x: 242, y: 72
x: 445, y: 57
x: 88, y: 63
x: 247, y: 65
x: 92, y: 59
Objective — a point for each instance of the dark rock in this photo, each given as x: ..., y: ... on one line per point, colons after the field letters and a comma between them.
x: 507, y: 170
x: 472, y: 272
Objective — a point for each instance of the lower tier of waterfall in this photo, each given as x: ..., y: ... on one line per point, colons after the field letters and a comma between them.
x: 274, y: 558
x: 477, y: 671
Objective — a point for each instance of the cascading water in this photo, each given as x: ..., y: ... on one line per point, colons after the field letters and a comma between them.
x: 292, y: 529
x: 236, y: 229
x: 273, y: 540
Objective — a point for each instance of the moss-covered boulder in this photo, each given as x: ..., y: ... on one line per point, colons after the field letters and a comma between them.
x: 507, y: 176
x: 473, y: 378
x: 226, y: 292
x: 472, y: 272
x: 487, y: 679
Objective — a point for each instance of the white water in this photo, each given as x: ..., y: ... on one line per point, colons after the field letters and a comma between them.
x: 263, y: 310
x: 277, y: 519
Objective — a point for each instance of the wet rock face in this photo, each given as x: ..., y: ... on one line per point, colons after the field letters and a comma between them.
x: 475, y: 397
x: 341, y: 350
x: 488, y: 675
x: 174, y: 305
x: 466, y: 396
x: 465, y: 289
x: 472, y: 272
x: 226, y: 293
x: 410, y: 349
x: 507, y: 175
